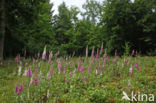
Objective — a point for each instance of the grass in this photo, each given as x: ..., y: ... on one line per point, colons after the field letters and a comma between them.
x: 69, y: 85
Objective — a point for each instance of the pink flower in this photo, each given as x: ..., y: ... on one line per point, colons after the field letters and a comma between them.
x: 56, y: 54
x: 112, y: 70
x: 17, y: 59
x: 31, y: 82
x: 29, y: 72
x: 115, y: 52
x: 87, y: 51
x: 70, y: 73
x: 136, y: 65
x: 84, y: 79
x: 17, y: 91
x: 35, y: 81
x: 82, y: 69
x: 51, y: 72
x: 44, y: 56
x: 93, y: 51
x: 133, y: 52
x: 59, y: 66
x: 50, y: 58
x: 103, y: 65
x: 99, y: 70
x: 20, y: 88
x: 66, y: 80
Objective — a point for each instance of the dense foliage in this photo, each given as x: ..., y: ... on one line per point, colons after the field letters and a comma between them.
x: 31, y: 24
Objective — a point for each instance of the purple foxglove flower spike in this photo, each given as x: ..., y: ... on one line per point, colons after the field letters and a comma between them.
x: 93, y: 51
x: 20, y: 88
x: 66, y: 80
x: 35, y: 81
x: 29, y: 72
x: 87, y: 51
x: 16, y: 90
x: 50, y: 57
x: 133, y: 52
x: 25, y: 52
x: 115, y: 52
x: 82, y: 69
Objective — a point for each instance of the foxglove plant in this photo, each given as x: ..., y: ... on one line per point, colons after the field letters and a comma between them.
x: 112, y: 70
x: 31, y: 82
x: 29, y: 72
x: 82, y: 69
x: 87, y: 51
x: 92, y: 51
x: 56, y: 55
x: 66, y: 80
x: 99, y: 70
x: 103, y: 66
x: 25, y: 52
x: 17, y: 59
x: 50, y: 57
x: 59, y: 66
x: 35, y: 81
x: 44, y: 54
x: 133, y: 52
x: 18, y: 89
x: 115, y: 52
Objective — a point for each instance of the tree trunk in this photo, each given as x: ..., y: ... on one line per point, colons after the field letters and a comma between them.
x: 2, y: 27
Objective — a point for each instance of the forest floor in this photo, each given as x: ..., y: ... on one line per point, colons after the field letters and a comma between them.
x: 78, y: 80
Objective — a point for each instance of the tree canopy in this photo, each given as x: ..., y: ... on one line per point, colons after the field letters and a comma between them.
x: 31, y: 24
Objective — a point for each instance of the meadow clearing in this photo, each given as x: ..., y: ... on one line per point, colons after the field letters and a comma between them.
x: 91, y: 79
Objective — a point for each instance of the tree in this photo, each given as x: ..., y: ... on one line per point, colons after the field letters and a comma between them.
x: 92, y: 10
x: 28, y: 24
x: 62, y: 24
x: 2, y: 27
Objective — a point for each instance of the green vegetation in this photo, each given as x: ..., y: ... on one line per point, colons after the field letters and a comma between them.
x: 81, y: 80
